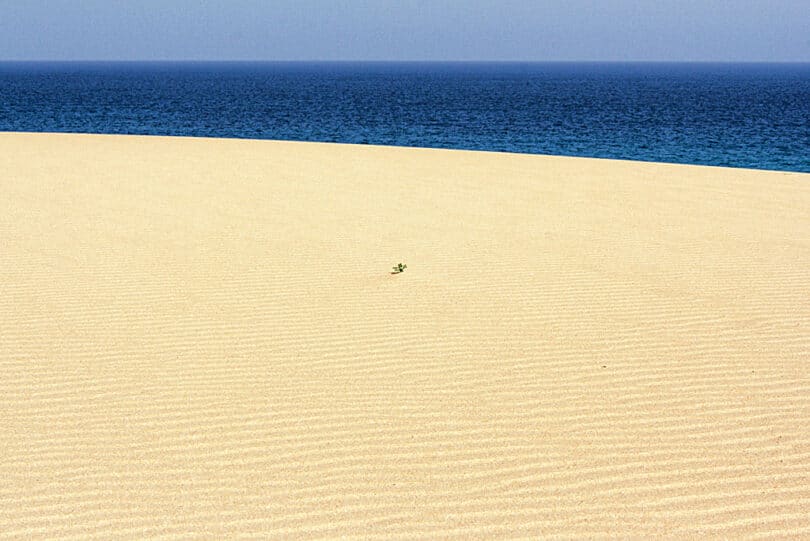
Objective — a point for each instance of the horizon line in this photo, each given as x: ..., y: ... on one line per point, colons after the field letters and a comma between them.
x: 373, y: 61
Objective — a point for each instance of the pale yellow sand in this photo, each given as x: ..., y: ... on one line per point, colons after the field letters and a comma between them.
x: 201, y: 338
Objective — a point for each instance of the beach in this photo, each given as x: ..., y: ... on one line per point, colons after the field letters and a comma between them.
x: 203, y: 338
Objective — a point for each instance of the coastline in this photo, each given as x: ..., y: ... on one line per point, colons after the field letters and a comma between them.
x: 414, y: 148
x: 202, y: 337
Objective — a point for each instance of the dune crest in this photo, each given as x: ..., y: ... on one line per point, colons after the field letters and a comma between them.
x: 203, y: 337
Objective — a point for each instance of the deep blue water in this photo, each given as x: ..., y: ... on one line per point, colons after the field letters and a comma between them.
x: 741, y: 115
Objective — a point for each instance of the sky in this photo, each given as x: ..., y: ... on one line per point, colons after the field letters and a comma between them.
x: 509, y: 30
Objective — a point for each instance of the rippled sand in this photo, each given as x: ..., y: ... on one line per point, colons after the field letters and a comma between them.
x: 202, y: 338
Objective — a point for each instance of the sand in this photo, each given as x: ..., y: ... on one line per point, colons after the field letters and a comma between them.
x: 201, y: 338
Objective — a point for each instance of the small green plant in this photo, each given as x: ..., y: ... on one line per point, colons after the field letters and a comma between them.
x: 399, y: 268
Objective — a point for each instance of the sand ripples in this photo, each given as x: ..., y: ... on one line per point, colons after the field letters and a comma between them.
x: 199, y: 338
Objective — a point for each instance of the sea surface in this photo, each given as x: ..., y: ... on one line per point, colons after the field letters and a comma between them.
x: 739, y: 115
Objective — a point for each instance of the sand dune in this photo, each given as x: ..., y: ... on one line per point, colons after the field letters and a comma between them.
x: 201, y: 339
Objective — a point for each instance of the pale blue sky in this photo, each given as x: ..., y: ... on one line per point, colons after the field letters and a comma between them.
x: 677, y: 30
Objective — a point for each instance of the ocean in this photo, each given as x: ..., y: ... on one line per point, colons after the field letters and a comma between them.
x: 737, y: 115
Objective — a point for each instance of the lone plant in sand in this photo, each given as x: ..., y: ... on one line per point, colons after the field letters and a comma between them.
x: 399, y: 268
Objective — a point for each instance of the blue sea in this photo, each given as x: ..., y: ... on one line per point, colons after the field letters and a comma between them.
x: 739, y: 115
